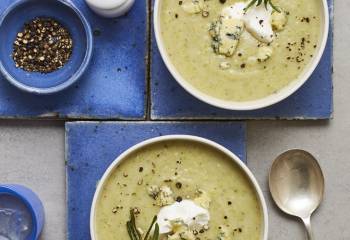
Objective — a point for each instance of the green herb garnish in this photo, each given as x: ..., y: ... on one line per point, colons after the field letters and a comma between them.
x: 259, y: 2
x: 134, y: 234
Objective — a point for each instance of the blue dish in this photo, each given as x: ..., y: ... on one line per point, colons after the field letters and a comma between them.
x: 32, y: 202
x: 12, y: 21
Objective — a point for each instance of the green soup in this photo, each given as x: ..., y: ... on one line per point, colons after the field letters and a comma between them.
x: 188, y: 45
x: 234, y: 203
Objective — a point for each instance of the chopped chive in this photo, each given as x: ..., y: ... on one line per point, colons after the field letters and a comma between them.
x: 259, y: 2
x: 250, y: 5
x: 274, y: 7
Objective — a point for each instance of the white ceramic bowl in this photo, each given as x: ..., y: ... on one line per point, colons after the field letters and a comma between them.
x: 248, y: 105
x: 204, y: 141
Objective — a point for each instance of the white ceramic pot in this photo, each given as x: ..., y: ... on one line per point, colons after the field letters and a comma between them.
x: 204, y: 141
x: 110, y: 8
x: 248, y: 105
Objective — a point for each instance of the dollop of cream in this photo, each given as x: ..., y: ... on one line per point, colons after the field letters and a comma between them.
x: 257, y: 19
x: 187, y: 212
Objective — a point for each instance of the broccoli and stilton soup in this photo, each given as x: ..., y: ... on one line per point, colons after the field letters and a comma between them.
x: 181, y: 190
x: 238, y: 50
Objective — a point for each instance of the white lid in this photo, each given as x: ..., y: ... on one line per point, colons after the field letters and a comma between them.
x: 106, y: 4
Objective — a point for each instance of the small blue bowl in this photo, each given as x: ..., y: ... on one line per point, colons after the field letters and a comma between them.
x: 12, y: 22
x: 32, y: 202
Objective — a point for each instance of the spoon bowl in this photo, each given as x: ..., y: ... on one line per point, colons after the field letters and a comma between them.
x: 297, y: 185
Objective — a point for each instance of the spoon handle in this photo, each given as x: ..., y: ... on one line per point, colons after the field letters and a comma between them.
x: 307, y: 223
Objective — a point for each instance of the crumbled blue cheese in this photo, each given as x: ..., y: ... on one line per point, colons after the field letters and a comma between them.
x: 153, y: 191
x: 163, y: 195
x: 264, y: 53
x: 223, y: 233
x: 225, y: 34
x: 193, y: 6
x: 180, y: 231
x: 202, y: 199
x: 260, y: 21
x: 224, y: 65
x: 186, y: 235
x: 278, y: 20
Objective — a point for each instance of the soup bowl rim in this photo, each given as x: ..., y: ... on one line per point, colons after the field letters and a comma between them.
x: 235, y: 159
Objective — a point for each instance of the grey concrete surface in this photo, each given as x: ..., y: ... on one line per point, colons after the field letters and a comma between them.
x: 32, y: 153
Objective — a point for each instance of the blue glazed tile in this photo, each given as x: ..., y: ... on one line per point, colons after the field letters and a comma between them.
x: 313, y: 101
x: 91, y: 147
x: 112, y: 88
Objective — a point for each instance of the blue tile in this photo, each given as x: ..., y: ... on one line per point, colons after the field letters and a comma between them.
x: 313, y: 101
x: 112, y: 88
x: 91, y: 147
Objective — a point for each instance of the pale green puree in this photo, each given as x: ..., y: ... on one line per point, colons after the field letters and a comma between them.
x: 188, y: 45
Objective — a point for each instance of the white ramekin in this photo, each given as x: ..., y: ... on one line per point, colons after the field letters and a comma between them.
x: 210, y: 143
x: 110, y: 9
x: 247, y: 105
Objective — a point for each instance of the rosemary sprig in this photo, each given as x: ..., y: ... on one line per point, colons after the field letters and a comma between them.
x: 259, y: 2
x: 156, y: 232
x: 150, y: 227
x: 134, y: 234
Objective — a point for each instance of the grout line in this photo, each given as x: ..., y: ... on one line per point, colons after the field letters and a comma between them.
x: 149, y: 60
x: 67, y: 119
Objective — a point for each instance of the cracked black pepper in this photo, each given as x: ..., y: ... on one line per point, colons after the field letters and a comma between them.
x: 43, y: 45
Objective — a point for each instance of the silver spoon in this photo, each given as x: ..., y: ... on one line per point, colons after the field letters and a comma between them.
x: 297, y: 185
